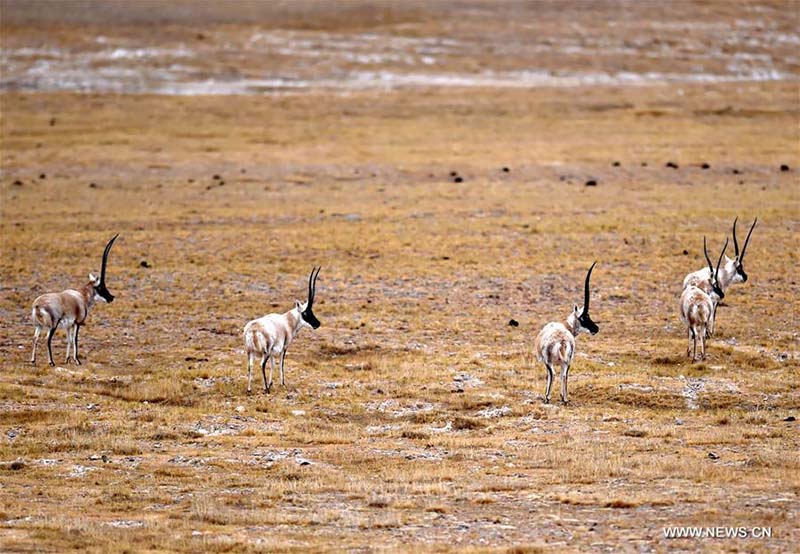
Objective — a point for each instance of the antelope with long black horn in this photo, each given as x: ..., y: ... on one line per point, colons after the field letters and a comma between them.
x: 732, y: 271
x: 69, y: 309
x: 698, y: 306
x: 555, y: 344
x: 271, y: 335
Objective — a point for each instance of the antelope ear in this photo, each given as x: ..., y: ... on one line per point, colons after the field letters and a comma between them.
x: 298, y: 305
x: 94, y: 279
x: 575, y: 308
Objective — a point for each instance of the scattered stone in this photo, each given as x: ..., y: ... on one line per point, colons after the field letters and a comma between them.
x: 673, y: 165
x: 644, y: 164
x: 17, y: 183
x: 713, y: 456
x: 453, y: 173
x: 190, y: 180
x: 145, y: 264
x: 591, y: 183
x: 616, y: 164
x: 784, y: 167
x: 705, y: 166
x: 52, y: 122
x: 492, y: 412
x: 200, y: 36
x: 243, y: 170
x: 221, y: 183
x: 463, y: 380
x: 216, y: 177
x: 685, y: 252
x: 298, y: 413
x: 678, y: 421
x: 736, y: 171
x: 92, y: 185
x: 458, y: 179
x: 240, y: 409
x: 42, y: 176
x: 506, y: 169
x: 12, y: 434
x: 790, y: 418
x: 16, y: 465
x: 513, y: 323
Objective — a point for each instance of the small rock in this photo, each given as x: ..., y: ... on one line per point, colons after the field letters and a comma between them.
x: 298, y: 412
x: 673, y: 165
x: 678, y: 421
x: 42, y: 176
x: 200, y: 36
x: 458, y: 179
x: 17, y: 465
x: 713, y: 456
x: 685, y: 252
x: 145, y: 264
x: 92, y: 185
x: 790, y: 418
x: 644, y: 164
x: 221, y: 183
x: 17, y: 183
x: 736, y: 172
x: 705, y: 166
x: 240, y: 409
x: 52, y: 122
x: 784, y: 167
x: 216, y: 177
x: 591, y: 183
x: 513, y: 322
x: 616, y: 164
x: 453, y: 173
x: 505, y: 169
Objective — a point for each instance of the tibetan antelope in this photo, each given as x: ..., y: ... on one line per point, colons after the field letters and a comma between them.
x: 731, y: 272
x: 272, y: 334
x: 555, y: 344
x: 69, y: 309
x: 698, y: 306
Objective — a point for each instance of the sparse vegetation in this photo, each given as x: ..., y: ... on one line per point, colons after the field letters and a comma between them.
x: 412, y: 418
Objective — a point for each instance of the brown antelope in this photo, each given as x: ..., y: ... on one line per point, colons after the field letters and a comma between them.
x: 272, y: 334
x: 69, y: 309
x: 698, y: 306
x: 555, y: 344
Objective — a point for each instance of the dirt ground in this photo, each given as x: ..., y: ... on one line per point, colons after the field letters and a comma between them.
x: 413, y: 418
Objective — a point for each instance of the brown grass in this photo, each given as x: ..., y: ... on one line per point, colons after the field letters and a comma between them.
x: 378, y: 441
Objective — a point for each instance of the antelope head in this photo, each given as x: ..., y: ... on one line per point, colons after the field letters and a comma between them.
x: 738, y: 262
x: 715, y: 287
x: 584, y: 321
x: 99, y: 283
x: 306, y: 314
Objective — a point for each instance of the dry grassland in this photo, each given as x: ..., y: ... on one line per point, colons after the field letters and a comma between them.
x: 413, y: 418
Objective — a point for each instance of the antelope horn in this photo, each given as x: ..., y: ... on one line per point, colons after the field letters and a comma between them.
x: 105, y: 260
x: 705, y: 251
x: 747, y: 240
x: 586, y: 290
x: 312, y: 285
x: 721, y: 254
x: 735, y: 242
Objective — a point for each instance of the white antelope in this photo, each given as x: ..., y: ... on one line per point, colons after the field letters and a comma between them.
x: 731, y: 272
x: 698, y: 306
x: 555, y: 344
x: 69, y: 309
x: 272, y: 334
